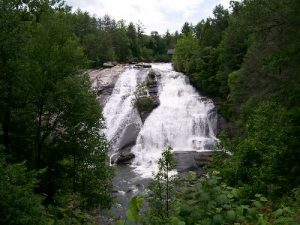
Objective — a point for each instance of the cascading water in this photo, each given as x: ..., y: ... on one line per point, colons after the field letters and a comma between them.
x: 118, y: 112
x: 183, y: 120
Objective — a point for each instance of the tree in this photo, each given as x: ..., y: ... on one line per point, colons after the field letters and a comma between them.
x: 161, y: 190
x: 187, y: 29
x: 51, y: 117
x: 185, y: 49
x: 19, y: 204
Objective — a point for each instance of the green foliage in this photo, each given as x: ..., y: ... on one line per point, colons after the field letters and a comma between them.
x: 208, y: 201
x: 67, y: 211
x: 133, y: 212
x: 247, y: 60
x: 142, y: 101
x: 144, y: 104
x: 19, y: 204
x: 105, y: 39
x: 185, y: 48
x: 50, y: 116
x: 263, y: 158
x: 160, y: 196
x: 135, y: 206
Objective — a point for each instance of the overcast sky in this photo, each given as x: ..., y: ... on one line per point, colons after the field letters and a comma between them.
x: 155, y: 15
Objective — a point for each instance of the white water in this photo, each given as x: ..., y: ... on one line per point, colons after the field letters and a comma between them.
x: 183, y: 121
x: 119, y: 112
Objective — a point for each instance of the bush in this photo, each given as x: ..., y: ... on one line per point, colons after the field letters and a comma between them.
x: 144, y: 103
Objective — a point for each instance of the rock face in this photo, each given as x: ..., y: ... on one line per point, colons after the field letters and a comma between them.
x: 103, y: 81
x: 142, y: 65
x: 192, y: 161
x: 124, y: 155
x: 152, y: 83
x: 128, y: 135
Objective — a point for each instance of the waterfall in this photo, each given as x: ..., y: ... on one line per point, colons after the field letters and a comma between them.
x: 119, y: 114
x: 183, y: 120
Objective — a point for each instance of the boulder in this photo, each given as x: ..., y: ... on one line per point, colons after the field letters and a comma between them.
x: 192, y: 161
x: 108, y: 65
x: 125, y: 158
x: 129, y: 135
x: 144, y: 115
x: 124, y: 155
x: 185, y: 161
x: 156, y: 102
x: 142, y: 65
x: 203, y: 158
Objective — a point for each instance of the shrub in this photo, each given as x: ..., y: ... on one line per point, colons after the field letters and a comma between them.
x: 144, y: 103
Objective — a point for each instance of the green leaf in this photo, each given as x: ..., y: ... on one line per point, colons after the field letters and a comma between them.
x: 231, y: 215
x: 134, y: 208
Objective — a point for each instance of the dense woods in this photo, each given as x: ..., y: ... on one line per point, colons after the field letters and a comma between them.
x: 54, y: 159
x: 247, y: 59
x: 105, y: 39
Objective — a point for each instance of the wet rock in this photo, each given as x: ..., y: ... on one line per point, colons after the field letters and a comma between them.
x: 144, y: 115
x: 129, y: 135
x: 143, y: 65
x: 185, y: 161
x: 152, y: 88
x: 203, y: 158
x: 125, y: 158
x: 192, y: 161
x: 108, y: 65
x: 114, y: 158
x: 156, y: 102
x: 107, y: 90
x: 103, y: 81
x: 124, y: 155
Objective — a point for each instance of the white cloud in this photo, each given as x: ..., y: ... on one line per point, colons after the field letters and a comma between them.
x: 158, y: 15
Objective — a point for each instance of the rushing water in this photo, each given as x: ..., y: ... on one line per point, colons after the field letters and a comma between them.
x: 119, y: 112
x: 182, y: 121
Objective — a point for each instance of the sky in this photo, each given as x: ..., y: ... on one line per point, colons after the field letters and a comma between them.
x: 155, y: 15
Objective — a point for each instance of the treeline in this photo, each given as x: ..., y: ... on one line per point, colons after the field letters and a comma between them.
x: 53, y: 159
x: 247, y: 59
x: 105, y: 39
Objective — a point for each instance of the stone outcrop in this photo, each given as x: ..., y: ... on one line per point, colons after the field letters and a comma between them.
x: 142, y: 65
x: 152, y: 83
x: 103, y: 81
x: 128, y: 136
x: 124, y: 155
x: 192, y: 161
